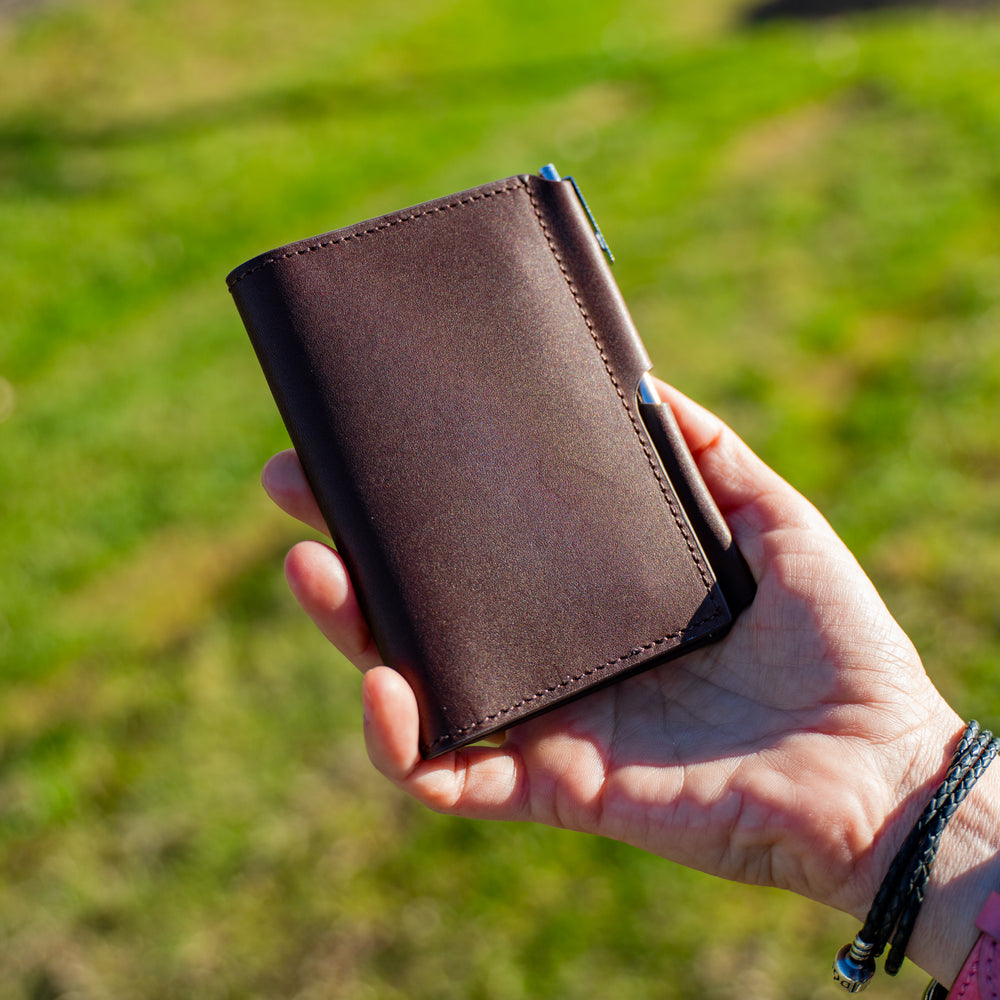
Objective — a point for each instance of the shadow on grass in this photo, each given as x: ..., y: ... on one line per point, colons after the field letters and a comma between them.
x: 814, y: 10
x: 315, y: 98
x: 32, y: 144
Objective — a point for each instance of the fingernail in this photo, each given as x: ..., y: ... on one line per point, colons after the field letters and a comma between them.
x: 276, y: 475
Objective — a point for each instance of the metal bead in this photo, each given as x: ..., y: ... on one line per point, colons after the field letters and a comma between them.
x: 854, y: 966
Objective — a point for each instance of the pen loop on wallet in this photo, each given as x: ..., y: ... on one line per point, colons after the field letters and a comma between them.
x: 550, y: 173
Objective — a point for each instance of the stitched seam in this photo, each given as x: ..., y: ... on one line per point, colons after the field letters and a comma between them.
x: 325, y: 244
x: 986, y: 966
x: 454, y: 733
x: 565, y: 682
x: 653, y: 463
x: 959, y: 991
x: 654, y: 467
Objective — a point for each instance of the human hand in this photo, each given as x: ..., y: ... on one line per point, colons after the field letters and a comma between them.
x: 797, y: 752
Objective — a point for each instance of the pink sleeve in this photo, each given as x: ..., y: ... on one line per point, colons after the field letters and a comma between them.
x: 980, y: 976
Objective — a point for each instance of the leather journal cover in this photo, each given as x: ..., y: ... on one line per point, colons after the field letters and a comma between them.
x: 460, y: 382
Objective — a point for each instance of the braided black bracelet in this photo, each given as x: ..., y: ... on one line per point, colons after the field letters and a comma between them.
x: 894, y: 912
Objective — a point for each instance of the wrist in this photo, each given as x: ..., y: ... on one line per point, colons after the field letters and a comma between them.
x: 967, y: 869
x: 905, y: 772
x: 967, y: 864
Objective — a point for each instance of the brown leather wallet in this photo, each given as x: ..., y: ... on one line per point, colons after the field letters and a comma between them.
x: 460, y: 382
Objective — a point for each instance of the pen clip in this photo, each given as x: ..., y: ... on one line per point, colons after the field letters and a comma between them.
x: 550, y: 173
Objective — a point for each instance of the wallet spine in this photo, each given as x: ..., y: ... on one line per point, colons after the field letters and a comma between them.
x: 731, y: 571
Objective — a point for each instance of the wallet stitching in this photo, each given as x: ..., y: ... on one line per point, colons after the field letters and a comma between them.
x: 653, y: 465
x: 457, y: 733
x: 454, y: 734
x: 399, y: 220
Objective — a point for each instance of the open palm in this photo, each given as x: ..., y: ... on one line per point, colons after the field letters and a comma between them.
x: 776, y: 756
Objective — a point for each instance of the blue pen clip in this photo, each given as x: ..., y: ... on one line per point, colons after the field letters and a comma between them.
x: 550, y: 173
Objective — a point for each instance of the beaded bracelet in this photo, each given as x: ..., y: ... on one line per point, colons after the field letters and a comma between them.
x: 893, y: 914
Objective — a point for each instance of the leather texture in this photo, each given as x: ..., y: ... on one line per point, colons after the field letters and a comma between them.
x: 459, y: 380
x: 979, y: 978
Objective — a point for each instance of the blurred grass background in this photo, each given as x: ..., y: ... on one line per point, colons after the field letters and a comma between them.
x: 805, y: 217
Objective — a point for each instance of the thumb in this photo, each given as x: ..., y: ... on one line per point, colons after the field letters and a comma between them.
x: 752, y: 497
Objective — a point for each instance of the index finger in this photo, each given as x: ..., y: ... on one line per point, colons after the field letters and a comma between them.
x: 749, y: 493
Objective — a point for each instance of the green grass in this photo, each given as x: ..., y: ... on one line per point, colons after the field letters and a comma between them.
x: 805, y: 221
